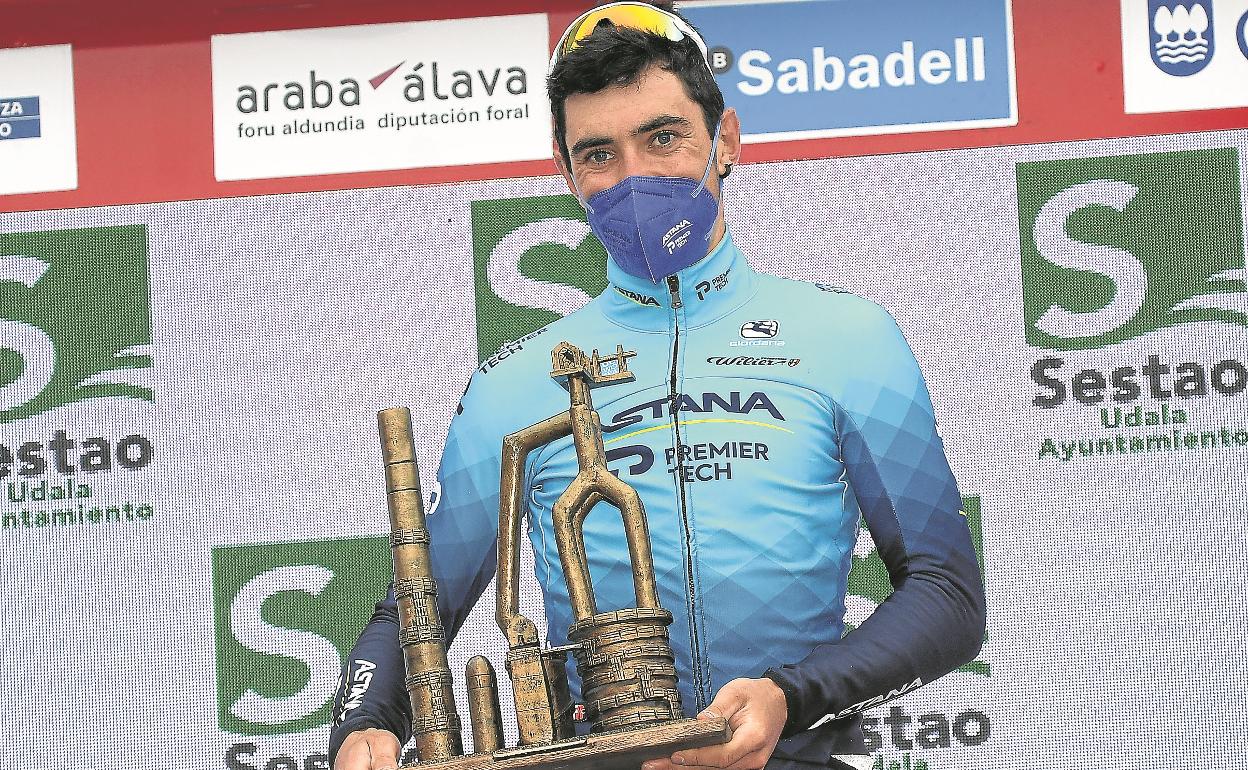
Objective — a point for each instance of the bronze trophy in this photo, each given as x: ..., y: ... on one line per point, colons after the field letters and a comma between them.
x: 626, y: 665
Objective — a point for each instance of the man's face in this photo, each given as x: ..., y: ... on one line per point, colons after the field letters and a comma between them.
x: 647, y: 128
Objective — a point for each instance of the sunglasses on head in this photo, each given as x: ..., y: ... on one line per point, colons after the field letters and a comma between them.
x: 629, y: 15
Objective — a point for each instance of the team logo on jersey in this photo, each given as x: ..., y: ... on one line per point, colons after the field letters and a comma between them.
x: 752, y: 330
x: 752, y: 361
x: 1181, y: 35
x: 639, y: 298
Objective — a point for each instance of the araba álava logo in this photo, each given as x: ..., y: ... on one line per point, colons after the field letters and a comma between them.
x: 1181, y: 35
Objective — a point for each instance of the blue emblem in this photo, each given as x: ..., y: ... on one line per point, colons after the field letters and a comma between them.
x: 1180, y: 35
x: 1241, y: 33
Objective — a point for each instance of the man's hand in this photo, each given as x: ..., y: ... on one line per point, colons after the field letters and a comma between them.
x: 370, y: 749
x: 756, y: 710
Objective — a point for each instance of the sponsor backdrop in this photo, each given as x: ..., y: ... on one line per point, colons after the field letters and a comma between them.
x: 241, y: 97
x: 193, y: 501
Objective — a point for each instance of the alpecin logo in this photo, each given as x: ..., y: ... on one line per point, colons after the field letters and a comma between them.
x: 1181, y: 35
x: 896, y: 728
x: 286, y: 615
x: 75, y: 323
x: 1116, y: 248
x: 534, y: 261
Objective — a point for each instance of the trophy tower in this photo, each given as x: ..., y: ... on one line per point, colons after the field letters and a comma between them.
x: 623, y: 656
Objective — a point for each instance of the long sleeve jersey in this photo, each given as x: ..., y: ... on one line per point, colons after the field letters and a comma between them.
x: 766, y: 417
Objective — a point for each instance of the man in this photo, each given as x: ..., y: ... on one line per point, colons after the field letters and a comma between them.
x: 766, y: 417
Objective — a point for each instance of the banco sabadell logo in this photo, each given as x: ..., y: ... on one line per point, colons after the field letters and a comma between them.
x: 534, y: 260
x: 1117, y: 247
x: 74, y: 318
x: 1181, y: 36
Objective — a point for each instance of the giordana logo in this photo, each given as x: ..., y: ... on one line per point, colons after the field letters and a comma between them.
x: 902, y: 730
x: 286, y: 616
x: 534, y: 260
x: 1117, y: 247
x: 752, y: 330
x: 1181, y: 36
x: 75, y: 323
x: 19, y: 118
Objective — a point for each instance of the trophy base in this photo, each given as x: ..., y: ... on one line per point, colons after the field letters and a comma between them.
x: 618, y: 750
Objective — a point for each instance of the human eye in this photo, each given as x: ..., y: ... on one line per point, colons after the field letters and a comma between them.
x: 596, y: 157
x: 664, y: 138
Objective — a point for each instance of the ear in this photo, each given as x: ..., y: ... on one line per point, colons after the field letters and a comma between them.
x: 729, y: 151
x: 563, y: 168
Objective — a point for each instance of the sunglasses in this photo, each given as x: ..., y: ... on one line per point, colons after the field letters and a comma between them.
x: 629, y: 15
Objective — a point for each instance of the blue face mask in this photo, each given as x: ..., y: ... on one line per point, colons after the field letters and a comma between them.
x: 655, y: 226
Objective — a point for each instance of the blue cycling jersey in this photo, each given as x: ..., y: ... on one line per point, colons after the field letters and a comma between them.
x: 765, y: 418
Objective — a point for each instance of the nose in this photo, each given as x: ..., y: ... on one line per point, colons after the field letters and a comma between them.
x: 637, y: 162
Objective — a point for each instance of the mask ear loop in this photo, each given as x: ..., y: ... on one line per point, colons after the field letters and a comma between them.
x: 709, y: 161
x: 577, y: 189
x: 719, y: 204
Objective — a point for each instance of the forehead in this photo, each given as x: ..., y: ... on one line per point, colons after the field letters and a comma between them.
x: 618, y: 109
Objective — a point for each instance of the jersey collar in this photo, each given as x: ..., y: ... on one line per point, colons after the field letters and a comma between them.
x: 709, y: 289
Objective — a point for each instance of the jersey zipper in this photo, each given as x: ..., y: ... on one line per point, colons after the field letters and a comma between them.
x: 673, y: 286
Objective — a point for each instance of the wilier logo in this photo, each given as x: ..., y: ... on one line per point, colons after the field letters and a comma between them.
x: 534, y: 260
x: 75, y: 322
x: 1181, y: 35
x: 901, y: 730
x: 287, y: 615
x: 1117, y: 247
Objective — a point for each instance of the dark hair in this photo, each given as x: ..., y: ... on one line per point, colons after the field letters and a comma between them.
x: 613, y: 56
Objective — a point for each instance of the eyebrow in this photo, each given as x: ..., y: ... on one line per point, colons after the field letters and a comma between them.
x: 660, y: 121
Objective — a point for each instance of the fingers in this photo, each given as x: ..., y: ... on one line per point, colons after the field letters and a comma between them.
x: 750, y: 708
x: 745, y: 741
x: 384, y: 747
x: 730, y: 699
x: 370, y: 749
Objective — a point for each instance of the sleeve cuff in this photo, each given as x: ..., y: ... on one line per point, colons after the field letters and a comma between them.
x: 791, y: 699
x: 339, y: 733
